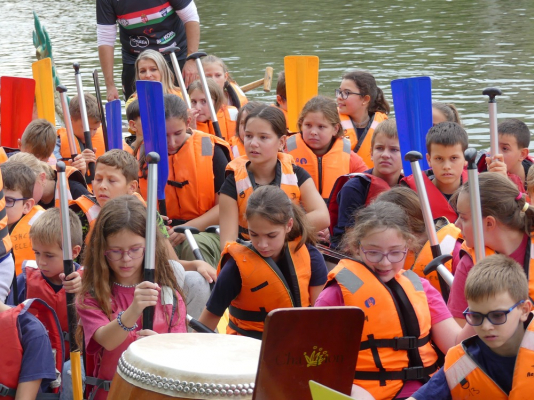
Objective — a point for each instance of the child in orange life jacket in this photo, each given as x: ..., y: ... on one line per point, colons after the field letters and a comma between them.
x: 62, y: 149
x: 445, y: 146
x: 280, y: 268
x: 497, y: 363
x: 22, y: 212
x: 226, y: 115
x: 507, y: 222
x: 281, y: 94
x: 362, y: 106
x: 26, y: 345
x: 320, y: 147
x: 216, y: 69
x: 352, y: 192
x: 405, y: 315
x: 265, y: 164
x: 444, y: 112
x: 237, y: 142
x: 39, y: 139
x: 152, y: 66
x: 47, y: 178
x: 114, y: 293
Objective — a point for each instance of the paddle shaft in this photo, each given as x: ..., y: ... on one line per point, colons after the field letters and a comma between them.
x: 150, y: 252
x: 492, y: 92
x: 178, y: 73
x: 68, y: 268
x: 85, y: 122
x: 68, y: 123
x: 474, y: 203
x: 101, y: 108
x: 204, y: 82
x: 198, y: 326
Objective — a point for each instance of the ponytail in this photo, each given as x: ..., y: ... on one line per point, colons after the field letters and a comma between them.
x: 380, y: 104
x: 301, y: 228
x: 366, y: 84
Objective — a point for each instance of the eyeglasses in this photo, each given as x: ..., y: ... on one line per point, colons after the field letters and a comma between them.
x: 117, y: 255
x: 494, y: 317
x: 344, y: 94
x: 376, y: 256
x: 10, y: 201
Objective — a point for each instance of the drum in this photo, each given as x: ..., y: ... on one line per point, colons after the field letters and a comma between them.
x: 187, y: 366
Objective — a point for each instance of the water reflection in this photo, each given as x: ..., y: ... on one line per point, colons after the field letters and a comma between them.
x: 463, y: 45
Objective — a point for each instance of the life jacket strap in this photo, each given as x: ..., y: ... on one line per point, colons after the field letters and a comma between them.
x: 406, y: 374
x: 397, y: 343
x: 179, y: 185
x: 244, y: 332
x: 247, y: 315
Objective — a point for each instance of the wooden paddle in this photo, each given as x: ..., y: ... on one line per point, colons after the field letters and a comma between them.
x: 17, y: 96
x: 412, y: 99
x: 44, y: 89
x: 302, y: 82
x: 68, y: 264
x: 266, y: 81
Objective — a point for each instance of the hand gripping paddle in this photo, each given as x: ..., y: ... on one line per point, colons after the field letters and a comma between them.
x: 412, y: 99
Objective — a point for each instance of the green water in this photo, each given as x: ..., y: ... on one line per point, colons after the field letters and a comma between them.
x: 463, y: 45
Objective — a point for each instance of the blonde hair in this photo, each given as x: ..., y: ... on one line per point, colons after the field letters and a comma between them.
x: 39, y: 138
x: 47, y: 229
x: 35, y: 164
x: 496, y: 274
x: 326, y: 106
x: 216, y: 93
x: 91, y: 105
x: 167, y: 77
x: 388, y: 128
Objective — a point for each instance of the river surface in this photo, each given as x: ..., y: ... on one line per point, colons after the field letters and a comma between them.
x: 463, y: 45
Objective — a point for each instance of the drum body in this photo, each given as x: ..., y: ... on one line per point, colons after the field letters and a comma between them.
x: 187, y: 366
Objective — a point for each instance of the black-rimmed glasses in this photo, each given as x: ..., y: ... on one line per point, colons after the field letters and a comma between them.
x: 494, y: 317
x: 344, y: 94
x: 10, y: 201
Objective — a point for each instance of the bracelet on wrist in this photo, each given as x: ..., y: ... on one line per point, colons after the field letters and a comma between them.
x: 122, y: 325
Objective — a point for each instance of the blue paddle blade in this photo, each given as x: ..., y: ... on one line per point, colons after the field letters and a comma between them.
x: 412, y: 101
x: 152, y: 110
x: 114, y: 124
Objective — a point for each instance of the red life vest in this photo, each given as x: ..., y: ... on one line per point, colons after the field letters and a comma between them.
x: 384, y: 362
x: 12, y: 350
x: 20, y: 236
x: 264, y: 287
x: 362, y: 146
x: 438, y: 202
x: 326, y: 169
x: 374, y: 185
x: 467, y: 380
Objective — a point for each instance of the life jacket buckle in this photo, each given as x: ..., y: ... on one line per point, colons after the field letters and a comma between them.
x: 404, y: 343
x: 5, y: 391
x: 413, y: 373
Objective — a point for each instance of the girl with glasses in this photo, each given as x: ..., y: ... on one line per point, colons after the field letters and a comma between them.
x: 406, y: 318
x: 114, y: 293
x: 362, y: 106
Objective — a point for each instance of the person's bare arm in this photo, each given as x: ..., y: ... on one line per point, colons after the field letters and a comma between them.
x: 228, y: 219
x: 316, y: 210
x: 315, y: 291
x: 192, y: 31
x: 106, y: 56
x: 209, y: 319
x: 28, y: 390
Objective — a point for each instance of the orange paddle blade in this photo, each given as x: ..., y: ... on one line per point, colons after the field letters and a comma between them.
x: 302, y: 82
x: 44, y: 89
x: 17, y: 96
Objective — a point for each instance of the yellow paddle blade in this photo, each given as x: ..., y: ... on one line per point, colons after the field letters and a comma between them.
x: 44, y: 89
x: 302, y: 81
x: 223, y: 323
x: 321, y: 392
x: 76, y: 374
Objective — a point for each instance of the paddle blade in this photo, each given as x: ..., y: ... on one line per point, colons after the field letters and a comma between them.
x: 152, y: 111
x: 302, y: 82
x: 321, y: 392
x: 44, y: 89
x: 114, y: 128
x: 412, y: 101
x: 17, y: 96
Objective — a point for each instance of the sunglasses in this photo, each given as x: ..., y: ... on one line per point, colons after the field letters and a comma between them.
x: 494, y: 317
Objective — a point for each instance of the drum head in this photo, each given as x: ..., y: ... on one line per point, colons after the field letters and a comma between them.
x: 192, y: 365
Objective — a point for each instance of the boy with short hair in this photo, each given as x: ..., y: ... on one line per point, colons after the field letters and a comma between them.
x: 62, y: 149
x: 514, y: 139
x: 39, y: 138
x: 497, y: 363
x: 133, y: 115
x: 21, y: 208
x: 445, y: 144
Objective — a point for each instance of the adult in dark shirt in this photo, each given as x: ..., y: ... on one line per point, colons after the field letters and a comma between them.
x: 145, y: 24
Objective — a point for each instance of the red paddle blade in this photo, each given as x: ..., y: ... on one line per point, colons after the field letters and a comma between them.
x: 17, y: 96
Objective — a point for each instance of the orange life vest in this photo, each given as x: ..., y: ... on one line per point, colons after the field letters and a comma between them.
x: 362, y: 146
x: 467, y: 380
x: 438, y: 202
x: 189, y: 192
x: 288, y: 183
x: 384, y: 362
x: 90, y: 208
x: 127, y: 148
x: 20, y: 236
x: 234, y: 87
x: 448, y: 235
x: 264, y: 287
x: 97, y: 141
x: 5, y: 238
x: 3, y: 155
x: 374, y: 184
x: 75, y: 175
x: 237, y: 147
x: 227, y: 116
x: 325, y: 169
x: 12, y: 350
x: 528, y: 264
